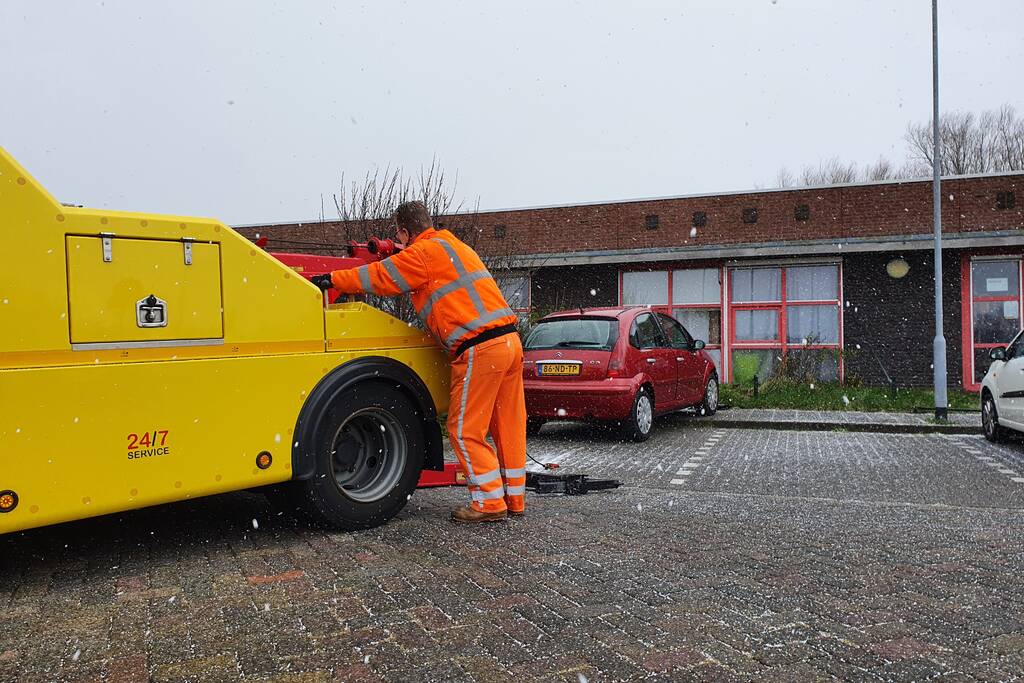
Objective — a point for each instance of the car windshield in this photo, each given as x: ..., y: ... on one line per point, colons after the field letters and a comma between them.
x: 598, y: 334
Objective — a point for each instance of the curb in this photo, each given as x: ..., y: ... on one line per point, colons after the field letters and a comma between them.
x: 873, y: 427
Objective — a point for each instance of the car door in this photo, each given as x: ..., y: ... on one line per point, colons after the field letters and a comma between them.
x: 1010, y: 384
x: 655, y: 358
x: 689, y: 367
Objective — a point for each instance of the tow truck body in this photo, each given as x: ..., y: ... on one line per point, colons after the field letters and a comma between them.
x: 146, y: 359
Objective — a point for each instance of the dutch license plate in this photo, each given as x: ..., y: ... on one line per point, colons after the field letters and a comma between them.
x: 558, y: 369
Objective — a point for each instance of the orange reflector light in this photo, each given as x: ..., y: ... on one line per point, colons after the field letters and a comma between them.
x: 264, y: 460
x: 8, y: 501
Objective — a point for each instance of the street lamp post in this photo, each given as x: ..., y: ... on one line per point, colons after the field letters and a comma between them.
x: 939, y: 343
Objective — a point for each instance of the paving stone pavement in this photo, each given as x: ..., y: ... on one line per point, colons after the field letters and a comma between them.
x: 840, y: 418
x: 784, y: 556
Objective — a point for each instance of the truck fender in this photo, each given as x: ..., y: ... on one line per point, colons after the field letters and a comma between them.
x: 344, y: 377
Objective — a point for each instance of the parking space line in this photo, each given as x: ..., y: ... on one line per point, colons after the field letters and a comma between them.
x: 697, y: 459
x: 988, y: 460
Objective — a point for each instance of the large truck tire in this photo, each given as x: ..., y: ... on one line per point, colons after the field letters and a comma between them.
x: 368, y: 457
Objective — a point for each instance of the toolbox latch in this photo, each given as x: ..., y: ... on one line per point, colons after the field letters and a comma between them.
x: 187, y: 241
x: 151, y: 312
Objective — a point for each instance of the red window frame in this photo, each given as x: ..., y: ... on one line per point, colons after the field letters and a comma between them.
x: 668, y: 308
x: 967, y: 301
x: 781, y: 308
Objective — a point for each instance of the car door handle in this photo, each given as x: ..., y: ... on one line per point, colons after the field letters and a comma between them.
x: 652, y: 360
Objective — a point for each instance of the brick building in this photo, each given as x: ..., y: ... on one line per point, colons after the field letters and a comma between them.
x: 768, y: 274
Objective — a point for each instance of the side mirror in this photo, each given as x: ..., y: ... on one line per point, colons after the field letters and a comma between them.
x: 998, y: 353
x: 698, y: 345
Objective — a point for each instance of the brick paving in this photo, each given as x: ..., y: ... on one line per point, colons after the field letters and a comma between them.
x: 843, y: 418
x: 785, y: 555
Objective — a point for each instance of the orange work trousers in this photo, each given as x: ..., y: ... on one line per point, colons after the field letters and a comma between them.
x: 487, y: 395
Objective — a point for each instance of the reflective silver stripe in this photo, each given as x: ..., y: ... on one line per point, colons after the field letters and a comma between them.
x: 441, y: 292
x: 460, y: 268
x: 462, y: 415
x: 516, y: 490
x: 496, y: 493
x: 477, y: 324
x: 396, y: 275
x: 481, y: 479
x: 517, y: 472
x: 364, y: 280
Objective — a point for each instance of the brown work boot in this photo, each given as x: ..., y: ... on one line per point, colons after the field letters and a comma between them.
x: 516, y: 513
x: 468, y: 513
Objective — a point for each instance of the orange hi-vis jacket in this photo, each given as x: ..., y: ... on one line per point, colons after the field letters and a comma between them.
x: 452, y: 291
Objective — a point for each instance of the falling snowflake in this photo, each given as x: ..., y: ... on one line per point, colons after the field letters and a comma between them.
x: 255, y: 524
x: 74, y: 657
x: 693, y: 232
x: 561, y: 412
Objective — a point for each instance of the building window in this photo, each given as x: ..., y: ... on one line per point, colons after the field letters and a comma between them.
x: 786, y: 314
x: 693, y: 296
x: 995, y: 295
x: 500, y: 232
x: 515, y: 287
x: 651, y: 221
x: 802, y: 212
x: 750, y: 216
x: 700, y: 219
x: 645, y: 288
x: 1006, y: 200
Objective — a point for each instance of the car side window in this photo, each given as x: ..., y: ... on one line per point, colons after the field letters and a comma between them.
x: 676, y: 334
x: 1016, y: 348
x: 645, y: 332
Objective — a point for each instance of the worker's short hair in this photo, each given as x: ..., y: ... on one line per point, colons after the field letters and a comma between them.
x: 413, y: 216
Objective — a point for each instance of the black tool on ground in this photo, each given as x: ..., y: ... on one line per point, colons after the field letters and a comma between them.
x: 569, y: 484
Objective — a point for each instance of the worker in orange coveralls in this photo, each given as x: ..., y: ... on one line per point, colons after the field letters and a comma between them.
x: 461, y: 305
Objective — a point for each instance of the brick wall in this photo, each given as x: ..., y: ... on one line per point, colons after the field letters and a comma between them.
x: 847, y: 211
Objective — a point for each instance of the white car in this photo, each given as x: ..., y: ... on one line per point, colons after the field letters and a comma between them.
x: 1002, y: 391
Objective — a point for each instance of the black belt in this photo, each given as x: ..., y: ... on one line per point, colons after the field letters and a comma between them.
x: 492, y: 333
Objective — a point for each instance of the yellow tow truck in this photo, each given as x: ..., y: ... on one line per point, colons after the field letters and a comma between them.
x: 146, y: 359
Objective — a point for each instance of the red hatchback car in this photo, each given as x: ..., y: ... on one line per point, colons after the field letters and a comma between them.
x: 623, y: 364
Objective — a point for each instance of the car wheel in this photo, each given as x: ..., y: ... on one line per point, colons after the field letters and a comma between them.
x: 368, y: 457
x: 637, y: 425
x: 710, y: 403
x: 533, y: 425
x: 990, y: 420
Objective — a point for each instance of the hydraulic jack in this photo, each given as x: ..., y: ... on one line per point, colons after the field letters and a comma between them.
x: 569, y: 484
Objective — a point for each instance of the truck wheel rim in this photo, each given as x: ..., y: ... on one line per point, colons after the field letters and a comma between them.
x: 368, y: 455
x: 644, y: 413
x: 711, y: 395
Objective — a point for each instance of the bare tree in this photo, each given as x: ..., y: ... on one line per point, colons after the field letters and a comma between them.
x: 991, y: 142
x: 829, y: 172
x: 366, y: 208
x: 784, y: 178
x: 882, y: 169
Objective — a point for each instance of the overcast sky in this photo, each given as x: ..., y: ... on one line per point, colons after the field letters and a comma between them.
x: 250, y: 111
